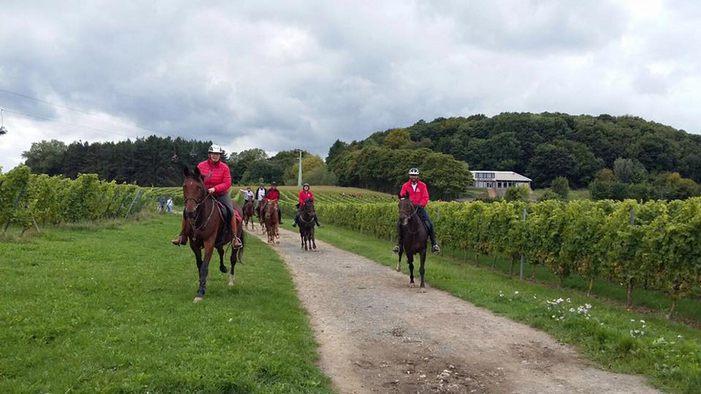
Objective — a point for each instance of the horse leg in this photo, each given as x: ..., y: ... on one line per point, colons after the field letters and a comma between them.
x: 311, y: 232
x: 204, y: 270
x: 235, y: 254
x: 222, y: 267
x: 301, y: 237
x: 410, y: 261
x: 198, y: 254
x: 422, y: 269
x: 399, y: 262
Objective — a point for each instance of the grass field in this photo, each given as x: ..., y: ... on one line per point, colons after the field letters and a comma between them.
x: 109, y: 308
x: 669, y: 353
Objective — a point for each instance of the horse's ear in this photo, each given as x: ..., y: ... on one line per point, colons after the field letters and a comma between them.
x: 197, y: 173
x: 186, y: 171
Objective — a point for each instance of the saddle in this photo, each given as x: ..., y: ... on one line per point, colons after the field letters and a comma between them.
x: 226, y: 234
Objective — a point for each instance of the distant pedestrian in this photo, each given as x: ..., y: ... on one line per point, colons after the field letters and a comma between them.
x: 169, y: 205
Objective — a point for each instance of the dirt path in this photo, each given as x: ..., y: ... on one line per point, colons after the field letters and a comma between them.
x: 378, y: 335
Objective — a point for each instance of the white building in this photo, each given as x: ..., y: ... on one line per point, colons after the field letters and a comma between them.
x: 499, y: 179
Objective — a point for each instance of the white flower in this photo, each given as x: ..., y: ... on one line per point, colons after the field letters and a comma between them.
x: 515, y: 292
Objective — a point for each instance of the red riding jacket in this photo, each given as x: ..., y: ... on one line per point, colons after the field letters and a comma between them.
x: 272, y: 195
x: 304, y: 195
x: 215, y: 175
x: 419, y: 196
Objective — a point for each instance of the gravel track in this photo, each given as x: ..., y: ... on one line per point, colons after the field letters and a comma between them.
x: 378, y: 335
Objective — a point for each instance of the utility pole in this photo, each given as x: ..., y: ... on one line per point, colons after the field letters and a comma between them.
x: 299, y: 173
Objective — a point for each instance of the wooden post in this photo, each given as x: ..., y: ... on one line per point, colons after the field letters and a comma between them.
x: 523, y: 257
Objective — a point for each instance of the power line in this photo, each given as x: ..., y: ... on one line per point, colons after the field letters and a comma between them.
x: 67, y: 108
x: 66, y: 123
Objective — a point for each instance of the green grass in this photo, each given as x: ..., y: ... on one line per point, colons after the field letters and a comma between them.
x: 671, y: 362
x: 110, y: 309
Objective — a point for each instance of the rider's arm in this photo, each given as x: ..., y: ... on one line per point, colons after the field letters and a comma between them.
x: 226, y: 183
x: 424, y: 196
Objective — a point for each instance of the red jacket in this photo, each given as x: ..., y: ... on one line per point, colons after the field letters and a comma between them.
x: 304, y: 195
x: 272, y: 195
x: 418, y: 197
x: 216, y: 176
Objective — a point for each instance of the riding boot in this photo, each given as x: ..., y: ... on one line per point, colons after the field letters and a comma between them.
x: 279, y: 215
x: 296, y: 220
x: 181, y: 239
x: 316, y: 220
x: 432, y: 236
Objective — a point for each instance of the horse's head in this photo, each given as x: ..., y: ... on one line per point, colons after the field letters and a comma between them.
x: 406, y: 209
x: 194, y: 191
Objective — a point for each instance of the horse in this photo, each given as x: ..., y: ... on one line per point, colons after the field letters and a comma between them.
x: 306, y: 225
x: 248, y: 214
x: 206, y: 229
x: 261, y: 216
x: 271, y: 221
x: 414, y: 236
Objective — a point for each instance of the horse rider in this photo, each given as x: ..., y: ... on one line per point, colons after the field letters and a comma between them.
x: 418, y: 194
x: 304, y: 195
x: 260, y: 195
x: 273, y: 195
x: 247, y: 194
x: 217, y: 181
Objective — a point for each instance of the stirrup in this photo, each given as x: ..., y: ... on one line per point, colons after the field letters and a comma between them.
x: 435, y: 249
x: 395, y: 249
x: 236, y: 243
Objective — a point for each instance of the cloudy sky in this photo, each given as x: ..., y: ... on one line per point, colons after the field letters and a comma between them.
x: 280, y: 75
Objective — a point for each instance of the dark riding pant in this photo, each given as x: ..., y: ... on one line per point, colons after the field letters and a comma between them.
x: 423, y: 215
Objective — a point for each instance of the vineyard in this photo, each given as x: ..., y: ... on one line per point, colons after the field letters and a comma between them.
x: 655, y: 243
x: 28, y: 199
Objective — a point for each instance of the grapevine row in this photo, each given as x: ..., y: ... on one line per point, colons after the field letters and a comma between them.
x: 656, y: 243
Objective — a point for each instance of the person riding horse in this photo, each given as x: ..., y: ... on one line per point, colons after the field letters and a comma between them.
x: 418, y: 194
x: 272, y: 195
x: 217, y: 180
x: 247, y: 194
x: 260, y: 196
x: 304, y: 195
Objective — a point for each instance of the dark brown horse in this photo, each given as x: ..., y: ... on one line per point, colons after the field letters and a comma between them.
x: 248, y: 214
x: 206, y: 228
x: 270, y: 216
x: 413, y: 238
x: 307, y: 224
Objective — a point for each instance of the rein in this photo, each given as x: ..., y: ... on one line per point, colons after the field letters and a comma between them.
x: 416, y: 210
x: 198, y: 203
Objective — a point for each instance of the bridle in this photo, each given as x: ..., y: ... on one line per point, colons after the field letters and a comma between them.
x: 199, y: 202
x: 416, y: 210
x: 312, y: 214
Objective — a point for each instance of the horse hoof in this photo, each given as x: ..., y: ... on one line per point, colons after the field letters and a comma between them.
x: 397, y: 268
x: 422, y: 290
x: 231, y: 282
x: 197, y: 299
x: 412, y: 285
x: 223, y: 269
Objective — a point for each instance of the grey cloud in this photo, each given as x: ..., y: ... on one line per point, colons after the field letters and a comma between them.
x: 304, y: 73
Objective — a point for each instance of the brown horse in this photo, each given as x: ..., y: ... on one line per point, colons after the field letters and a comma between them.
x: 248, y: 214
x: 206, y: 228
x: 413, y: 238
x: 307, y: 224
x: 260, y: 211
x: 271, y: 221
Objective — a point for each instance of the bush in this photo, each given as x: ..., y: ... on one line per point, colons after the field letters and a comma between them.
x: 561, y: 186
x: 517, y: 193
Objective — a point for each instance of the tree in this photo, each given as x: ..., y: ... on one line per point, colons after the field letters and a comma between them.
x: 309, y: 163
x: 629, y: 170
x: 262, y: 169
x: 550, y: 161
x: 561, y: 187
x: 398, y: 138
x: 45, y: 157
